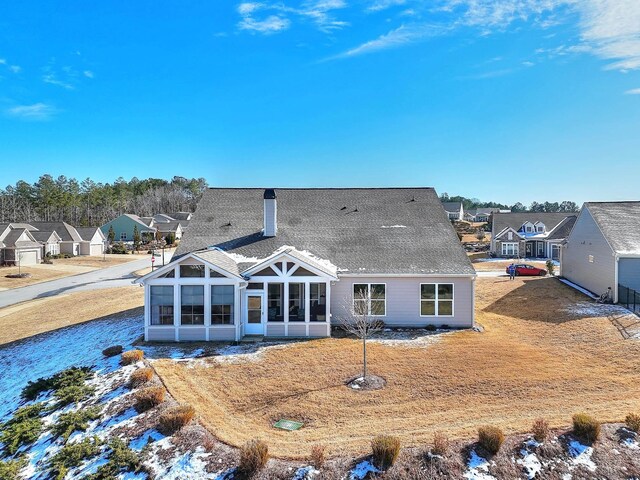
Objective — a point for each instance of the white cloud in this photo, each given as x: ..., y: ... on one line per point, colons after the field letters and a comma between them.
x: 248, y: 8
x: 271, y: 24
x: 612, y: 28
x: 37, y: 111
x: 633, y: 91
x: 528, y: 64
x: 379, y: 5
x: 15, y: 68
x: 52, y: 79
x: 88, y: 74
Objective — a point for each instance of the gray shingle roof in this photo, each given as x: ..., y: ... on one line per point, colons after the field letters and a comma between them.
x: 516, y: 219
x: 360, y: 230
x: 42, y: 236
x: 66, y: 232
x: 452, y: 207
x: 167, y: 227
x: 563, y: 229
x: 220, y: 259
x: 87, y: 233
x: 620, y: 224
x: 12, y: 239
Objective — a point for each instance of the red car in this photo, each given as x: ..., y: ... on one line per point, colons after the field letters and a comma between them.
x: 526, y: 270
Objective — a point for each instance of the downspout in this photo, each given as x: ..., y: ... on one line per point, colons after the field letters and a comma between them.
x: 615, y: 278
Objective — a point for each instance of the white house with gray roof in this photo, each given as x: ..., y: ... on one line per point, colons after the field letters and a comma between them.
x: 602, y: 251
x: 289, y: 262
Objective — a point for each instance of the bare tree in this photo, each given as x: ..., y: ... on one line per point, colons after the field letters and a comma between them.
x: 362, y: 322
x: 480, y: 235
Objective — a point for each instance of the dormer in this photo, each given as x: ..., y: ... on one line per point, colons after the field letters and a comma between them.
x: 527, y: 227
x: 540, y: 227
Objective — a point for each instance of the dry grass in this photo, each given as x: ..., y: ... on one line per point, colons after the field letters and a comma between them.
x: 131, y: 356
x: 318, y: 456
x: 441, y: 445
x: 254, y: 455
x: 385, y: 450
x: 490, y: 438
x: 51, y: 313
x: 586, y: 427
x: 98, y: 261
x: 633, y: 422
x: 535, y: 359
x: 148, y: 398
x: 174, y: 418
x: 540, y: 430
x: 140, y: 377
x: 502, y: 265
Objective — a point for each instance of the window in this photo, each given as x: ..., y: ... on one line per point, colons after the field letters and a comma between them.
x: 590, y: 258
x: 374, y: 294
x: 540, y: 228
x: 162, y: 305
x: 510, y: 249
x: 510, y: 236
x: 318, y: 302
x: 222, y: 300
x: 529, y: 228
x: 123, y: 235
x: 170, y: 274
x: 436, y: 299
x: 192, y: 308
x: 192, y: 271
x: 274, y: 302
x: 255, y: 286
x: 296, y: 302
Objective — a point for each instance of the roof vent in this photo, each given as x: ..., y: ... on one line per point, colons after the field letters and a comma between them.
x: 270, y: 213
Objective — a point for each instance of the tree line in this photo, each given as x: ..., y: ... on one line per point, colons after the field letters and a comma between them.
x: 471, y: 203
x: 90, y: 203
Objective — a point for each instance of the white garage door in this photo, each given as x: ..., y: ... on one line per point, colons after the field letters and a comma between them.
x: 96, y: 249
x: 28, y: 257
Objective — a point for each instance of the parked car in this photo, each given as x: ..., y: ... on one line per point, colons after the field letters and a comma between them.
x: 526, y: 270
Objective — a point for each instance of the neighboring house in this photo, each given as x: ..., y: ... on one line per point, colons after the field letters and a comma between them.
x: 529, y: 234
x: 454, y: 210
x: 70, y: 239
x: 480, y: 214
x: 165, y: 228
x: 290, y: 263
x: 50, y: 241
x: 17, y: 245
x: 93, y: 241
x: 603, y: 249
x: 124, y: 225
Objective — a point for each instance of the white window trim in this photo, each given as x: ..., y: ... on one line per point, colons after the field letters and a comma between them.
x: 515, y: 245
x: 436, y: 300
x: 368, y: 284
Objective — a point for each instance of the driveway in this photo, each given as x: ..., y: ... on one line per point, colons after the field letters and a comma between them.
x: 111, y: 277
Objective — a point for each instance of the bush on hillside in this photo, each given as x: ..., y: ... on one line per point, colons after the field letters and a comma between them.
x: 633, y: 422
x: 112, y: 351
x: 586, y: 427
x: 174, y: 418
x: 140, y: 377
x: 148, y: 398
x: 490, y: 438
x: 131, y: 356
x: 385, y: 449
x: 254, y: 455
x: 540, y: 430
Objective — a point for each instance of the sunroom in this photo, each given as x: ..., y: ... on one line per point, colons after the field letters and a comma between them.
x: 203, y: 296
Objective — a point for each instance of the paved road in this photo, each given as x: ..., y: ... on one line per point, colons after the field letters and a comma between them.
x: 116, y: 276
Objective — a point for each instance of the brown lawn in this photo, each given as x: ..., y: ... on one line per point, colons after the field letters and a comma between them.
x: 502, y: 265
x: 61, y: 267
x: 42, y: 315
x: 534, y: 359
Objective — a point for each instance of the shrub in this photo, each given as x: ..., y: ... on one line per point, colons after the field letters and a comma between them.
x: 131, y: 356
x: 431, y: 328
x: 72, y: 394
x: 73, y: 455
x: 148, y: 398
x: 121, y: 459
x: 551, y: 267
x: 112, y: 351
x: 9, y: 469
x: 633, y: 422
x: 318, y: 456
x: 174, y: 418
x: 118, y: 249
x: 74, y: 421
x: 385, y: 450
x: 586, y: 427
x: 540, y: 430
x: 253, y: 457
x: 490, y: 438
x: 140, y: 377
x: 440, y: 444
x: 65, y: 378
x: 23, y: 428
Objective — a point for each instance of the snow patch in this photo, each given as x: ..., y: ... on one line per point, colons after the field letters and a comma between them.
x: 146, y: 438
x: 361, y: 470
x: 531, y: 463
x: 306, y: 473
x: 587, y: 309
x: 478, y: 468
x: 581, y: 454
x: 393, y: 226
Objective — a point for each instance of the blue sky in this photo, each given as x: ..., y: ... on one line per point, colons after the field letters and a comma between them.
x: 513, y: 100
